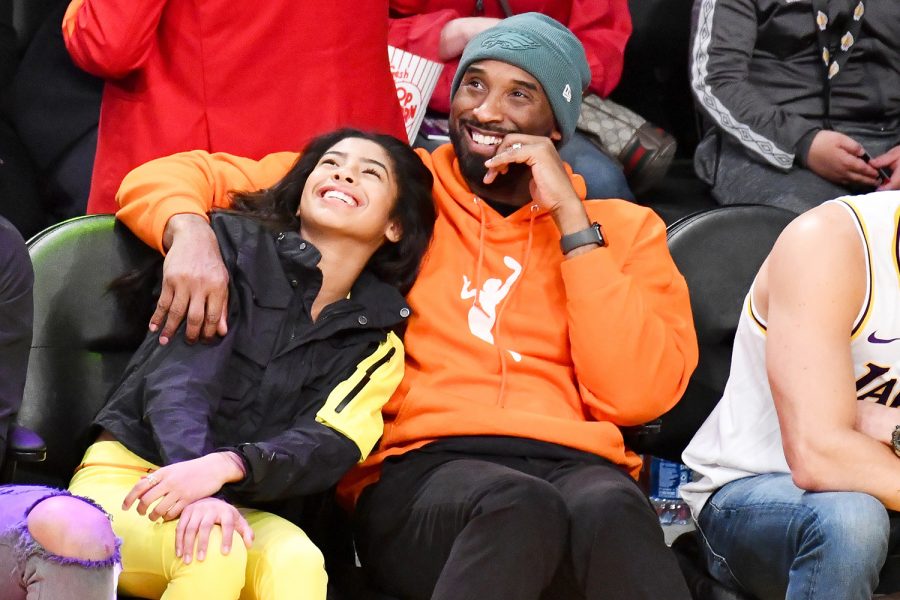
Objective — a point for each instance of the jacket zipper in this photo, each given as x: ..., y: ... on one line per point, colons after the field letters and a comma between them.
x: 364, y: 381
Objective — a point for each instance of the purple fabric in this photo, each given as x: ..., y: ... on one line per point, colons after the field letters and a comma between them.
x: 29, y: 570
x: 17, y: 501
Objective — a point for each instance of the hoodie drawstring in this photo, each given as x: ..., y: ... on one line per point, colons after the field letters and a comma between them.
x: 500, y: 349
x: 481, y: 233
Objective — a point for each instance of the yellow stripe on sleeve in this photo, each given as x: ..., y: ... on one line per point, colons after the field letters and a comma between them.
x: 353, y: 407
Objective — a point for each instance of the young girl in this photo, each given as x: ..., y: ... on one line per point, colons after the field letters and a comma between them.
x: 199, y: 437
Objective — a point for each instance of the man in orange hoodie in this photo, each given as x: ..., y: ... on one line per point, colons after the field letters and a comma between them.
x: 536, y: 334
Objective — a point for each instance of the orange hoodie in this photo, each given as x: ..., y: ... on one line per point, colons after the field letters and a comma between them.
x: 506, y: 337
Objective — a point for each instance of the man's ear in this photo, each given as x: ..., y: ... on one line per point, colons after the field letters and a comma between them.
x: 394, y: 231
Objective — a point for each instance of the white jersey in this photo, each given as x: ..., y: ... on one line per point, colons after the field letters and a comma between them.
x: 742, y: 437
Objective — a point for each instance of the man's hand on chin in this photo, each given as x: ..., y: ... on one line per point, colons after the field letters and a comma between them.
x: 551, y: 187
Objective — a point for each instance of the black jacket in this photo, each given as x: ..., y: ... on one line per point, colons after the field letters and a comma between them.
x: 299, y: 401
x: 16, y: 317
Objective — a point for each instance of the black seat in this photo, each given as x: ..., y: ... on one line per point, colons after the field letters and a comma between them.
x: 82, y: 339
x: 718, y: 252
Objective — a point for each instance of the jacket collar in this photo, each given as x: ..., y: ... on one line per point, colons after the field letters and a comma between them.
x: 382, y: 305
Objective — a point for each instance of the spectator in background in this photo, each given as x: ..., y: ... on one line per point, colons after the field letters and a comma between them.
x: 16, y: 316
x: 243, y: 77
x: 781, y: 133
x: 440, y: 29
x: 55, y: 108
x: 19, y: 199
x: 52, y: 544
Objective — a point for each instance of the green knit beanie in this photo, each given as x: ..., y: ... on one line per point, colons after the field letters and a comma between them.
x: 545, y: 49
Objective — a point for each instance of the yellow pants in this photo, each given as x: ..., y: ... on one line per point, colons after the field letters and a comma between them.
x: 282, y: 562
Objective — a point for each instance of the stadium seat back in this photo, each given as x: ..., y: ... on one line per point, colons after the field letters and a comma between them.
x: 82, y: 338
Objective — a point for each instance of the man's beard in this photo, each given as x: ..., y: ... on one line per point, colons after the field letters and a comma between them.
x: 472, y: 166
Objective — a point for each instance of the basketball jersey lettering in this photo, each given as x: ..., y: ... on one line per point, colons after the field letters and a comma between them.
x: 882, y: 392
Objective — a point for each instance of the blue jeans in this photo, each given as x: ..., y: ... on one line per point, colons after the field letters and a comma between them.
x: 602, y: 175
x: 768, y: 537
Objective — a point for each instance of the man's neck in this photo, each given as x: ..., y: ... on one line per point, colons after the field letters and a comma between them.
x: 515, y: 194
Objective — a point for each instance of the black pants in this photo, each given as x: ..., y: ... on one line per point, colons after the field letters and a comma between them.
x: 451, y: 526
x: 16, y: 319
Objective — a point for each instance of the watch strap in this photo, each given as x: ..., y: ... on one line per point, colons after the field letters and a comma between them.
x: 591, y: 235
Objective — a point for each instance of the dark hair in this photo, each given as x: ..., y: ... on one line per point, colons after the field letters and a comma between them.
x: 396, y: 263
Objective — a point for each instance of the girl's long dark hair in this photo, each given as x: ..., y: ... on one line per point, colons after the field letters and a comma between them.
x: 394, y: 263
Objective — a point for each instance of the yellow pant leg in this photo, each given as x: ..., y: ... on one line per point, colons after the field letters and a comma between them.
x: 150, y: 567
x: 282, y: 563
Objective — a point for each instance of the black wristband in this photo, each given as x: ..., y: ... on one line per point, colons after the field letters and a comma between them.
x: 591, y: 235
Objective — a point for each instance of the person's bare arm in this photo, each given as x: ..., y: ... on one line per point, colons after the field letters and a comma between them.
x: 816, y: 284
x: 877, y: 421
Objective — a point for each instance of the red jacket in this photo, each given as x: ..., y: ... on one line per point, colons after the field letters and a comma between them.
x: 248, y: 78
x: 603, y: 26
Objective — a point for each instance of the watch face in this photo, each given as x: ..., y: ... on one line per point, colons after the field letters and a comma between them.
x: 603, y: 242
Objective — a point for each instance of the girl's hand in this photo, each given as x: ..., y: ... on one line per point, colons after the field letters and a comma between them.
x: 180, y: 484
x: 196, y: 523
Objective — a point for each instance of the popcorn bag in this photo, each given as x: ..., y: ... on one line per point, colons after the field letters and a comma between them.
x: 416, y: 78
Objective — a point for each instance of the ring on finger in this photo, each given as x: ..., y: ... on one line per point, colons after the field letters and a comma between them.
x: 515, y: 146
x: 151, y: 479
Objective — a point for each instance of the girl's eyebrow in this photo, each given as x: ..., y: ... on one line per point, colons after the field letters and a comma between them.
x: 367, y: 160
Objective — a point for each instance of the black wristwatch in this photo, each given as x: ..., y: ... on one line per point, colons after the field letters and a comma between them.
x: 895, y: 440
x: 591, y: 235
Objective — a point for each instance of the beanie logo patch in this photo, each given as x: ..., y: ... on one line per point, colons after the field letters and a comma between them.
x: 567, y: 93
x: 510, y: 41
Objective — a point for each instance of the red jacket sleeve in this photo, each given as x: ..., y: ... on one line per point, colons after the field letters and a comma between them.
x: 603, y: 26
x: 109, y: 38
